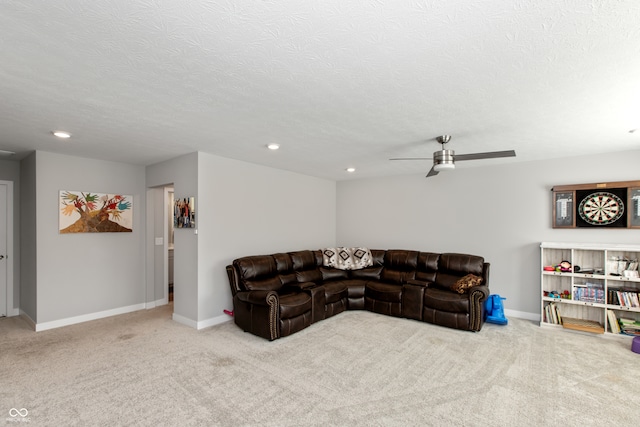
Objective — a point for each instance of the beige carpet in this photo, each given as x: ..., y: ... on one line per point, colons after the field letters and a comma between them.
x: 355, y: 369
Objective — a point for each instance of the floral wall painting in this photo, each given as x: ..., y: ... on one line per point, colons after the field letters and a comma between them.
x: 82, y: 212
x: 184, y: 212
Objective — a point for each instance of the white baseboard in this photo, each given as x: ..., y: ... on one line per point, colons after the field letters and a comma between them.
x: 87, y: 317
x: 28, y: 319
x: 203, y: 323
x: 522, y: 315
x: 185, y: 321
x: 214, y: 321
x: 156, y: 303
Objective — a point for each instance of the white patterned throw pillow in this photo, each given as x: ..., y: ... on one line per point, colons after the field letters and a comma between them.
x: 330, y: 257
x: 361, y: 258
x: 347, y: 258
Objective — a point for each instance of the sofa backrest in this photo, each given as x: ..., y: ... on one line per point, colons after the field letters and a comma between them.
x: 399, y: 266
x: 258, y: 273
x: 452, y: 267
x: 272, y: 272
x: 306, y: 266
x: 284, y: 268
x: 427, y: 266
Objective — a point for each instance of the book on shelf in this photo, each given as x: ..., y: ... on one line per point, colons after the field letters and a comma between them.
x: 629, y: 326
x: 624, y: 297
x: 552, y: 314
x: 613, y: 322
x: 588, y: 292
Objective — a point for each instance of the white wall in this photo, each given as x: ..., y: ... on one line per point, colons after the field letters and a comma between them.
x: 85, y: 273
x: 499, y: 212
x: 246, y: 209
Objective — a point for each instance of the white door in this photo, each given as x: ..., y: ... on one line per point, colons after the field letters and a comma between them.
x: 3, y: 249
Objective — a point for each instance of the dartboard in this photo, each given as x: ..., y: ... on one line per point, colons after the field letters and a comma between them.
x: 601, y: 208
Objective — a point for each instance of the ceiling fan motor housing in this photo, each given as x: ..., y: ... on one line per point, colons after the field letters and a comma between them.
x: 443, y: 159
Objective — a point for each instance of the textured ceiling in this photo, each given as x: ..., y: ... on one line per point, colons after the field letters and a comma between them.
x: 336, y: 83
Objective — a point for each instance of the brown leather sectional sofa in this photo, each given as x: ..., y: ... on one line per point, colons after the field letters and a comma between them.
x: 280, y: 294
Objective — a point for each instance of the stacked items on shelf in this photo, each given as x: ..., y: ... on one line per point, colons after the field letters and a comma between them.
x: 624, y: 297
x: 618, y: 266
x: 589, y: 292
x: 623, y: 325
x: 629, y: 327
x: 552, y: 314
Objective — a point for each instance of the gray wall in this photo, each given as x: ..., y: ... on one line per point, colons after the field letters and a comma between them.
x: 86, y: 273
x: 245, y: 209
x: 500, y: 212
x: 10, y: 171
x: 241, y: 209
x: 182, y: 172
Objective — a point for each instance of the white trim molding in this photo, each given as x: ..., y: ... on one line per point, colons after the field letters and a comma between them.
x: 213, y: 321
x: 201, y: 324
x: 185, y: 321
x: 522, y: 315
x: 87, y: 317
x: 156, y: 303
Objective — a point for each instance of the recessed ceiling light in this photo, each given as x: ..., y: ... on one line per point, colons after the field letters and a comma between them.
x: 350, y: 170
x: 61, y: 134
x: 273, y: 146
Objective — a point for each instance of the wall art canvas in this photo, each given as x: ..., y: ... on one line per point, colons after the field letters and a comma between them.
x: 84, y: 212
x: 184, y: 212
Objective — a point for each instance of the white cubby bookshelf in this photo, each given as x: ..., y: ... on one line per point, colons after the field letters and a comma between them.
x: 593, y: 289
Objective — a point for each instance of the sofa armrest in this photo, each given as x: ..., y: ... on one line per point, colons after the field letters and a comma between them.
x: 477, y: 296
x: 421, y: 283
x: 258, y: 312
x: 265, y: 298
x: 484, y: 290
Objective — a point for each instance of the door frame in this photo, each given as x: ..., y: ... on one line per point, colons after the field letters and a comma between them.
x: 10, y: 309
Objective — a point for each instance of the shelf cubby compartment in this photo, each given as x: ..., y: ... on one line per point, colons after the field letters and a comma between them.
x: 553, y: 257
x: 588, y: 289
x: 556, y: 282
x: 589, y: 261
x: 622, y: 316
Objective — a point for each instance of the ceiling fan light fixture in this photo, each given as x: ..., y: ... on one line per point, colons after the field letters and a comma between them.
x: 443, y: 167
x: 443, y: 160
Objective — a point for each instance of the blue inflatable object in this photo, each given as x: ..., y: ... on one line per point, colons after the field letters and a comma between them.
x: 494, y: 310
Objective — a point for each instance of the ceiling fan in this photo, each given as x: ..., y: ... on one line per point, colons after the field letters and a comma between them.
x: 445, y: 159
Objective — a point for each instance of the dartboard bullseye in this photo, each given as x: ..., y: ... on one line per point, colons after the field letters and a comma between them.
x: 601, y: 208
